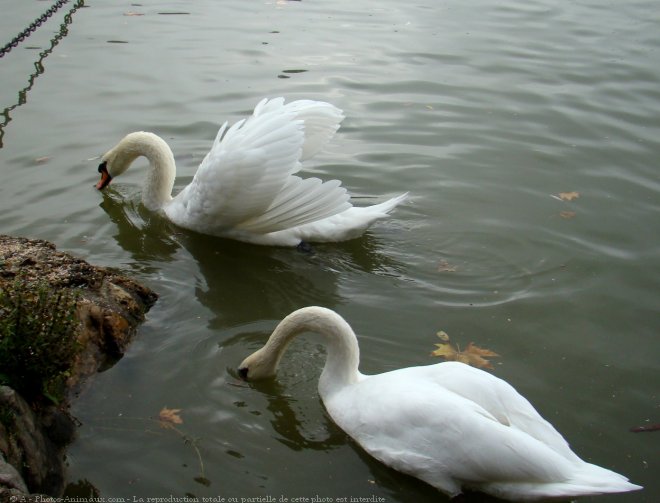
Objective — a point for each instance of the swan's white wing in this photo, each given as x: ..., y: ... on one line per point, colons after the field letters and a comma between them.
x: 500, y: 399
x: 245, y: 182
x: 321, y: 120
x: 420, y: 428
x: 300, y: 202
x: 245, y: 169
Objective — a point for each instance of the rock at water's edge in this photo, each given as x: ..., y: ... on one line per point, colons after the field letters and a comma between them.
x: 109, y: 308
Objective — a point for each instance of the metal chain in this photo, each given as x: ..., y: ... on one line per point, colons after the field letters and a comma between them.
x: 30, y: 29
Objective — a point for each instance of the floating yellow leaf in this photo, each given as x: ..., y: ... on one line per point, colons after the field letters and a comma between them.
x: 446, y: 350
x: 169, y: 417
x: 568, y: 196
x: 567, y: 214
x: 476, y: 356
x: 471, y: 355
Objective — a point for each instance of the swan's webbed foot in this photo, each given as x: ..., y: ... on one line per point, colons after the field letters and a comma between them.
x: 305, y: 247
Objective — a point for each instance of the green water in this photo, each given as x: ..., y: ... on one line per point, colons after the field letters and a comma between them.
x: 484, y: 111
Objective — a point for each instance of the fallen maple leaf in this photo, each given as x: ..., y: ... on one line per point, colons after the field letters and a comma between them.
x: 471, y: 355
x: 476, y: 356
x: 568, y: 196
x: 446, y: 350
x: 169, y: 417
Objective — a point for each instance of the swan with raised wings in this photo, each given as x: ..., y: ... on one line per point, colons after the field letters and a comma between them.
x: 246, y: 187
x: 448, y: 424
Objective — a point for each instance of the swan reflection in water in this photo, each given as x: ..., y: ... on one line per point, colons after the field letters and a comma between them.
x: 239, y: 282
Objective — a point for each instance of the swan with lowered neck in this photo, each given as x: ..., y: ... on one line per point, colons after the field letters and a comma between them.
x: 448, y: 424
x: 246, y: 187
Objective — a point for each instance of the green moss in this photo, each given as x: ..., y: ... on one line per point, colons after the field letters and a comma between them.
x: 37, y: 339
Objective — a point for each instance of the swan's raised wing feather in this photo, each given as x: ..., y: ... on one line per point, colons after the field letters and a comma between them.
x: 246, y: 182
x: 248, y: 166
x: 321, y: 120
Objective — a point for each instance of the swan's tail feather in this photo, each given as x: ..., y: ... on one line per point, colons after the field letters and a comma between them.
x: 603, y: 480
x: 589, y: 480
x: 348, y: 224
x: 386, y: 207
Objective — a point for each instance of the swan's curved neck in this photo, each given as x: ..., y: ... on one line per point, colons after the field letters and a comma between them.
x: 157, y: 190
x: 343, y: 353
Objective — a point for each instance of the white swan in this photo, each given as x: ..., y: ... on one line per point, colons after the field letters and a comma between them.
x: 246, y: 188
x: 449, y: 424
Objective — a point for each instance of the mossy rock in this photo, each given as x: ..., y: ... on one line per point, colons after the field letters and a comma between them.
x: 61, y: 320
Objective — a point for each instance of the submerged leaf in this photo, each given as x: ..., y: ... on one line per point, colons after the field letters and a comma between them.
x: 568, y: 196
x: 169, y: 417
x: 202, y: 480
x: 445, y: 266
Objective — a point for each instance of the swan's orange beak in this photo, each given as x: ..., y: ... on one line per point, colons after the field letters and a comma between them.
x: 105, y: 177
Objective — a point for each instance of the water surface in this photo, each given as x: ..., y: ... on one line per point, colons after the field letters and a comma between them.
x: 485, y: 111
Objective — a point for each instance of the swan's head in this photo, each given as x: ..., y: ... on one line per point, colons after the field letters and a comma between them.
x: 339, y: 337
x: 261, y: 364
x: 117, y: 160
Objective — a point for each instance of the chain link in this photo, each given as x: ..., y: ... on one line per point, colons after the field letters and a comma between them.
x: 32, y: 28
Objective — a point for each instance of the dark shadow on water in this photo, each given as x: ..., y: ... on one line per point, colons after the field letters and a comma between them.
x: 242, y: 282
x: 145, y: 235
x: 286, y: 417
x: 256, y: 281
x: 291, y: 430
x: 82, y: 489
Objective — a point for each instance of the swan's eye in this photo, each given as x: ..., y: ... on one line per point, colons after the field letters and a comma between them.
x: 243, y: 372
x: 103, y: 166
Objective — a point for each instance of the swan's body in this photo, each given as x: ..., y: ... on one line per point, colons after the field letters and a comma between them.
x: 246, y: 188
x: 448, y: 424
